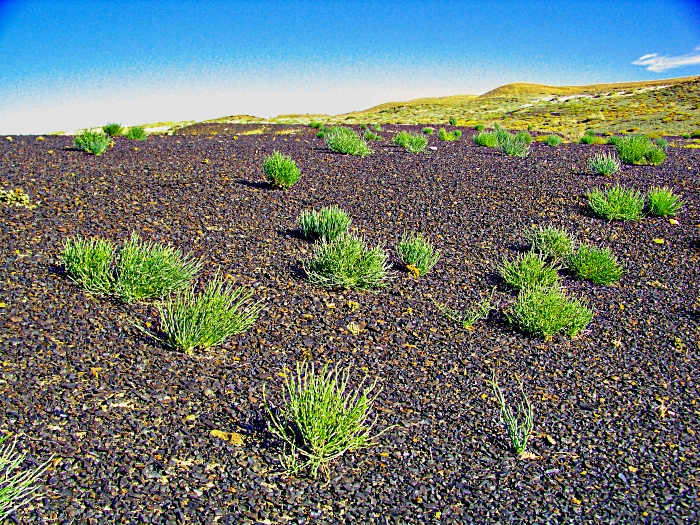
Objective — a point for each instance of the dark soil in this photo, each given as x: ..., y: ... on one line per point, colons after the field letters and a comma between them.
x: 129, y: 422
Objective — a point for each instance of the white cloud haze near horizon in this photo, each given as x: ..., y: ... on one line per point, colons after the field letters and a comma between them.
x: 657, y: 64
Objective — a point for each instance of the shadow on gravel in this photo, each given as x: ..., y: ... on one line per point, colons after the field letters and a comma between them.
x: 256, y: 185
x: 292, y: 233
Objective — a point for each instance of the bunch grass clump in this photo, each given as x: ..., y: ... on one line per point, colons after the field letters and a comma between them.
x: 550, y: 241
x: 453, y: 122
x: 369, y: 135
x: 428, y: 130
x: 147, y: 270
x: 346, y: 141
x: 528, y: 270
x: 327, y: 223
x: 486, y: 139
x: 199, y: 321
x: 449, y: 135
x: 136, y: 133
x: 587, y: 138
x: 18, y: 486
x: 547, y: 311
x: 417, y: 253
x: 413, y: 142
x: 553, y: 140
x: 598, y: 265
x: 16, y: 198
x: 524, y: 136
x: 512, y: 146
x: 639, y: 149
x: 113, y: 129
x: 281, y: 170
x: 616, y: 203
x: 88, y: 263
x: 520, y: 424
x: 479, y: 127
x: 347, y: 263
x: 322, y: 418
x: 95, y: 142
x: 662, y: 202
x: 603, y: 164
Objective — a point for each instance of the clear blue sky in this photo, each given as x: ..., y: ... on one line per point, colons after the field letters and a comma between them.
x: 67, y: 64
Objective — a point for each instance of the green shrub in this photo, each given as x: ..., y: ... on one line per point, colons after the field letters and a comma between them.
x: 94, y: 142
x: 638, y: 149
x: 201, y: 321
x: 486, y: 139
x: 686, y: 135
x: 453, y: 122
x: 346, y: 141
x: 113, y: 130
x: 616, y: 203
x: 321, y: 418
x: 548, y: 311
x: 136, y: 133
x: 662, y: 202
x: 598, y: 265
x: 315, y: 125
x: 528, y: 270
x: 513, y: 147
x: 523, y: 136
x: 147, y: 270
x: 347, y: 263
x: 321, y: 134
x: 18, y: 483
x: 411, y: 141
x: 457, y: 134
x: 479, y: 127
x: 16, y: 198
x: 88, y: 263
x: 417, y: 253
x: 603, y: 163
x: 371, y: 136
x: 449, y: 136
x: 553, y: 140
x: 502, y: 135
x: 428, y: 131
x: 281, y: 170
x: 587, y: 139
x: 327, y: 223
x: 550, y: 242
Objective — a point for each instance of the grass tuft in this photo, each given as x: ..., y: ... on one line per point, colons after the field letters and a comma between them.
x: 518, y: 432
x: 603, y: 163
x: 512, y: 146
x: 346, y: 141
x: 598, y: 265
x: 528, y: 270
x: 486, y: 139
x: 411, y: 141
x: 639, y: 149
x: 18, y: 486
x: 428, y: 131
x: 113, y: 129
x: 449, y: 136
x: 553, y: 140
x: 550, y: 241
x: 94, y: 142
x: 281, y: 170
x: 136, y: 133
x: 416, y: 251
x: 662, y: 202
x: 88, y: 263
x: 327, y: 223
x: 616, y: 203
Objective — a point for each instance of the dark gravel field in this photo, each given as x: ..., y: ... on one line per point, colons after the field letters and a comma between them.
x: 130, y: 422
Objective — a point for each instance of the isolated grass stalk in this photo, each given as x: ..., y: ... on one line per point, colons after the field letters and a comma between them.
x: 417, y: 252
x: 638, y: 149
x: 88, y: 263
x: 616, y: 203
x: 136, y: 133
x: 281, y: 170
x: 147, y: 270
x: 598, y: 265
x: 201, y: 321
x: 662, y: 202
x: 322, y: 418
x: 527, y: 270
x: 603, y: 163
x: 413, y: 142
x: 467, y: 319
x: 520, y: 424
x: 94, y: 142
x: 327, y: 223
x: 113, y: 129
x: 548, y: 311
x: 346, y: 141
x: 348, y: 264
x: 17, y: 487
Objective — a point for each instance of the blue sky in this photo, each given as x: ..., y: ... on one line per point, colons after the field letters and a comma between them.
x: 65, y: 65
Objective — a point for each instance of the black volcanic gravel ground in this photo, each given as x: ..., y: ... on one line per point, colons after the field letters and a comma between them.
x: 129, y: 421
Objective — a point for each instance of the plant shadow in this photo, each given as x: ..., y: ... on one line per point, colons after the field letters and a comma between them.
x: 255, y: 184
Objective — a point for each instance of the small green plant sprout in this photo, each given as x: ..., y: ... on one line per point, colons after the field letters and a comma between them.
x: 453, y: 121
x: 449, y: 136
x: 485, y: 139
x: 322, y: 417
x: 662, y: 202
x: 603, y: 164
x: 598, y: 265
x: 523, y: 136
x: 347, y: 263
x: 321, y: 134
x: 467, y: 319
x: 16, y: 198
x: 520, y: 424
x: 346, y: 141
x: 371, y: 136
x: 94, y: 142
x: 136, y: 133
x: 548, y: 311
x: 18, y: 485
x: 550, y: 241
x: 147, y: 270
x: 528, y: 270
x: 639, y: 149
x: 413, y: 142
x: 512, y: 146
x: 113, y: 129
x: 616, y: 203
x: 281, y: 170
x: 377, y: 127
x: 553, y: 140
x: 428, y: 130
x: 191, y: 321
x: 363, y: 127
x: 479, y: 127
x: 327, y: 223
x: 417, y: 253
x: 88, y: 263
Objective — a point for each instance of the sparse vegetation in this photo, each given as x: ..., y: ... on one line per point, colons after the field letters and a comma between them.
x: 662, y: 202
x: 327, y: 223
x: 638, y: 149
x: 411, y: 141
x: 136, y: 133
x: 417, y: 253
x: 528, y: 270
x: 18, y: 486
x: 16, y: 198
x: 346, y: 141
x: 449, y: 136
x: 113, y: 129
x: 470, y: 317
x: 616, y: 203
x: 371, y: 136
x: 519, y: 425
x: 281, y: 170
x: 598, y: 265
x: 94, y: 142
x: 604, y: 164
x: 88, y: 263
x: 550, y: 241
